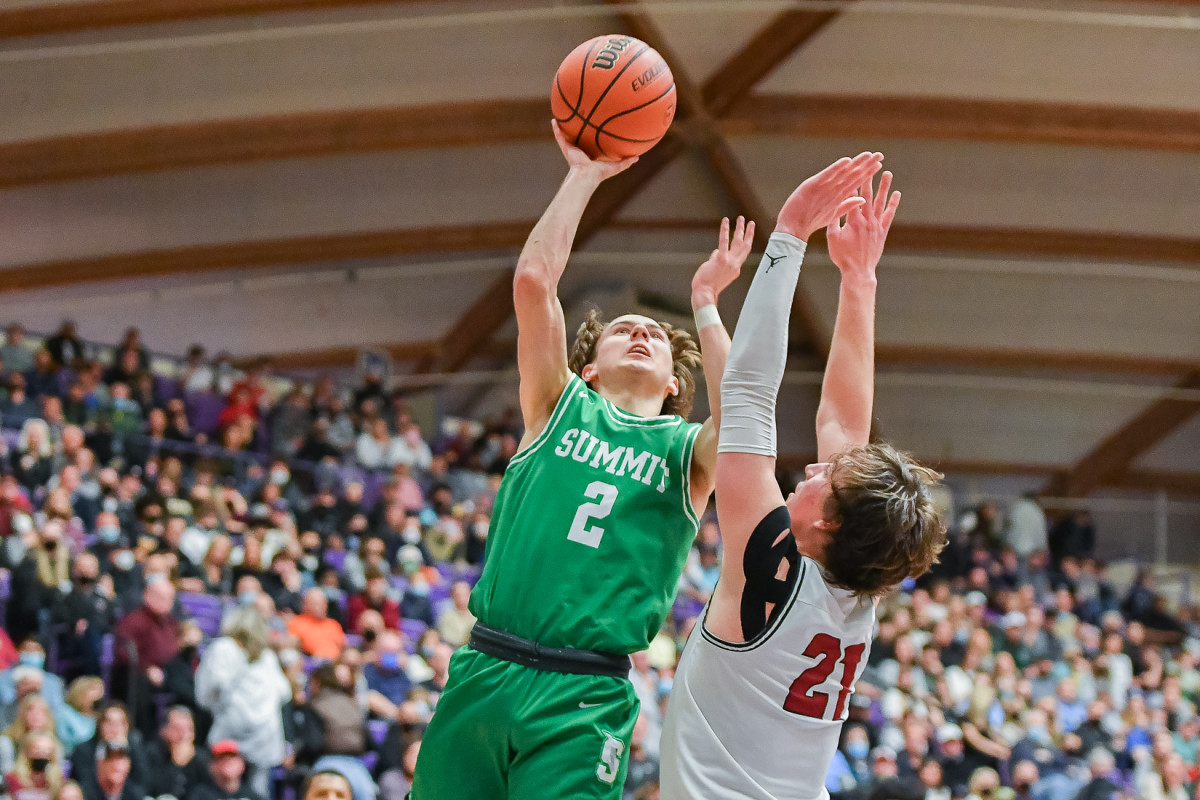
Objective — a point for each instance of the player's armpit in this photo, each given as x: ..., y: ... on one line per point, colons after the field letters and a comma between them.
x: 703, y: 477
x: 770, y: 564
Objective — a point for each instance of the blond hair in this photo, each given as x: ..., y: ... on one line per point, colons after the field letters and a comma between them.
x: 685, y: 355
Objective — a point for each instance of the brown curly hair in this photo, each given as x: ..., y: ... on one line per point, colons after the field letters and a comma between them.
x: 889, y: 528
x: 684, y: 352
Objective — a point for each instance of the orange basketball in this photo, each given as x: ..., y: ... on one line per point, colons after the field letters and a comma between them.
x: 613, y: 97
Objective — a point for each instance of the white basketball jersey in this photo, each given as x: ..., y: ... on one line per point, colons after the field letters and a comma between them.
x: 761, y: 720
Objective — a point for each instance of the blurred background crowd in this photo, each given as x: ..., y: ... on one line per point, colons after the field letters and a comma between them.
x: 216, y: 582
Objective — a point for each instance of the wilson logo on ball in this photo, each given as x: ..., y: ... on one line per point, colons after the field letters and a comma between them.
x: 607, y: 58
x: 613, y: 97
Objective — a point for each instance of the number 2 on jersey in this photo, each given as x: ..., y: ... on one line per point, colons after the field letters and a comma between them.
x: 606, y: 494
x: 802, y: 699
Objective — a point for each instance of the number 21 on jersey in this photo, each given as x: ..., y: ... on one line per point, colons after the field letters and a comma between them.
x: 605, y: 494
x: 803, y: 699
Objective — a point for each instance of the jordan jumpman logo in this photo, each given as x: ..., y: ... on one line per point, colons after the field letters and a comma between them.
x: 774, y: 260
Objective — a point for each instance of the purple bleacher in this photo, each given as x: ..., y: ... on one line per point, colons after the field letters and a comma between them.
x: 369, y: 760
x: 446, y: 571
x: 205, y: 609
x: 468, y: 574
x: 373, y: 487
x: 439, y: 593
x: 354, y: 640
x: 12, y: 437
x: 399, y: 584
x: 350, y: 473
x: 204, y: 411
x: 378, y: 729
x: 166, y: 388
x: 335, y: 558
x: 412, y: 629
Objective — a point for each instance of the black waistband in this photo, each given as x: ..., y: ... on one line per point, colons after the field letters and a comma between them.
x: 504, y: 645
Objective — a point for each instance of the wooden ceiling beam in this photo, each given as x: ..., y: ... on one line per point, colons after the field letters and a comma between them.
x: 496, y: 236
x: 508, y: 236
x: 1025, y: 359
x: 765, y: 51
x: 486, y: 122
x: 69, y: 17
x: 955, y: 118
x: 135, y: 150
x: 1019, y: 242
x: 473, y: 329
x: 1109, y: 459
x: 346, y: 356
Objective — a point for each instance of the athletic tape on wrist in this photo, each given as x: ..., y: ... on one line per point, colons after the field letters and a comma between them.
x: 707, y: 315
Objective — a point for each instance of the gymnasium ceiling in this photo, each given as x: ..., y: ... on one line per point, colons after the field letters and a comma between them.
x: 304, y: 177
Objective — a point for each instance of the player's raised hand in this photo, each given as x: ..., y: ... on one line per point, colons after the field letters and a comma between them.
x: 725, y: 263
x: 828, y: 195
x: 581, y: 161
x: 856, y: 244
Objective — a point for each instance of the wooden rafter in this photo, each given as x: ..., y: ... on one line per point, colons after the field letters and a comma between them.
x: 508, y: 236
x: 475, y: 327
x: 267, y: 253
x: 956, y: 118
x: 481, y: 123
x: 974, y: 240
x: 66, y: 17
x: 332, y: 357
x: 766, y: 50
x: 1024, y: 359
x: 1117, y: 451
x: 271, y: 137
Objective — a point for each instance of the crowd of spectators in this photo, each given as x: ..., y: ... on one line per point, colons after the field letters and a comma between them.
x: 218, y: 585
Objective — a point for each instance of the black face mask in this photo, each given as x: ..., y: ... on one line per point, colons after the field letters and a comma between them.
x: 50, y: 546
x: 39, y: 764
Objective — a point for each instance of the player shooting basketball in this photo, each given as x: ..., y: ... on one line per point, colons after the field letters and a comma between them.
x: 761, y: 692
x: 590, y: 530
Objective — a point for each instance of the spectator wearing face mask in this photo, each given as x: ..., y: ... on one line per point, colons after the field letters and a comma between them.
x: 37, y: 773
x: 385, y: 674
x: 28, y: 677
x: 76, y: 720
x: 33, y: 716
x: 41, y: 580
x: 88, y: 613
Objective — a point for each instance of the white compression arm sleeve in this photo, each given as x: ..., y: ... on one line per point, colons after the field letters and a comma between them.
x: 759, y: 353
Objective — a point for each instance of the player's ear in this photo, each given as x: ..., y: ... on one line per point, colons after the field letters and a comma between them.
x: 588, y: 373
x: 827, y: 525
x: 673, y: 387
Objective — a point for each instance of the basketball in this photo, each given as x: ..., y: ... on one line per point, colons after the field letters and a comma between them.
x: 613, y: 97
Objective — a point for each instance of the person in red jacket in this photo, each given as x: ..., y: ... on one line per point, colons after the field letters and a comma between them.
x: 374, y: 597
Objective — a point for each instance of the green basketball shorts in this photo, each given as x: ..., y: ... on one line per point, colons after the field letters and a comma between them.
x: 502, y: 730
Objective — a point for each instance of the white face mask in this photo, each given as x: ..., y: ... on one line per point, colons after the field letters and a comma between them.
x: 124, y: 560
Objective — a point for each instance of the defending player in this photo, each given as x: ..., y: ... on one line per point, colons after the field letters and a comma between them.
x: 762, y: 688
x: 589, y: 533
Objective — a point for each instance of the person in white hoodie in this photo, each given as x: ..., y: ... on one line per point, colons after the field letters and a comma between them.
x: 240, y: 682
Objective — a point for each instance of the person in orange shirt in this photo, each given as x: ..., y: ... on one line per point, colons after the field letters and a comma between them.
x: 317, y: 634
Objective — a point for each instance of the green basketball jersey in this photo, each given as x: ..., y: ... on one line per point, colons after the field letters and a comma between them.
x: 591, y: 528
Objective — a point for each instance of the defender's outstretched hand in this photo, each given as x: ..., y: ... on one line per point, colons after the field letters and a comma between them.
x: 856, y: 244
x: 725, y: 263
x: 579, y: 160
x: 826, y: 196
